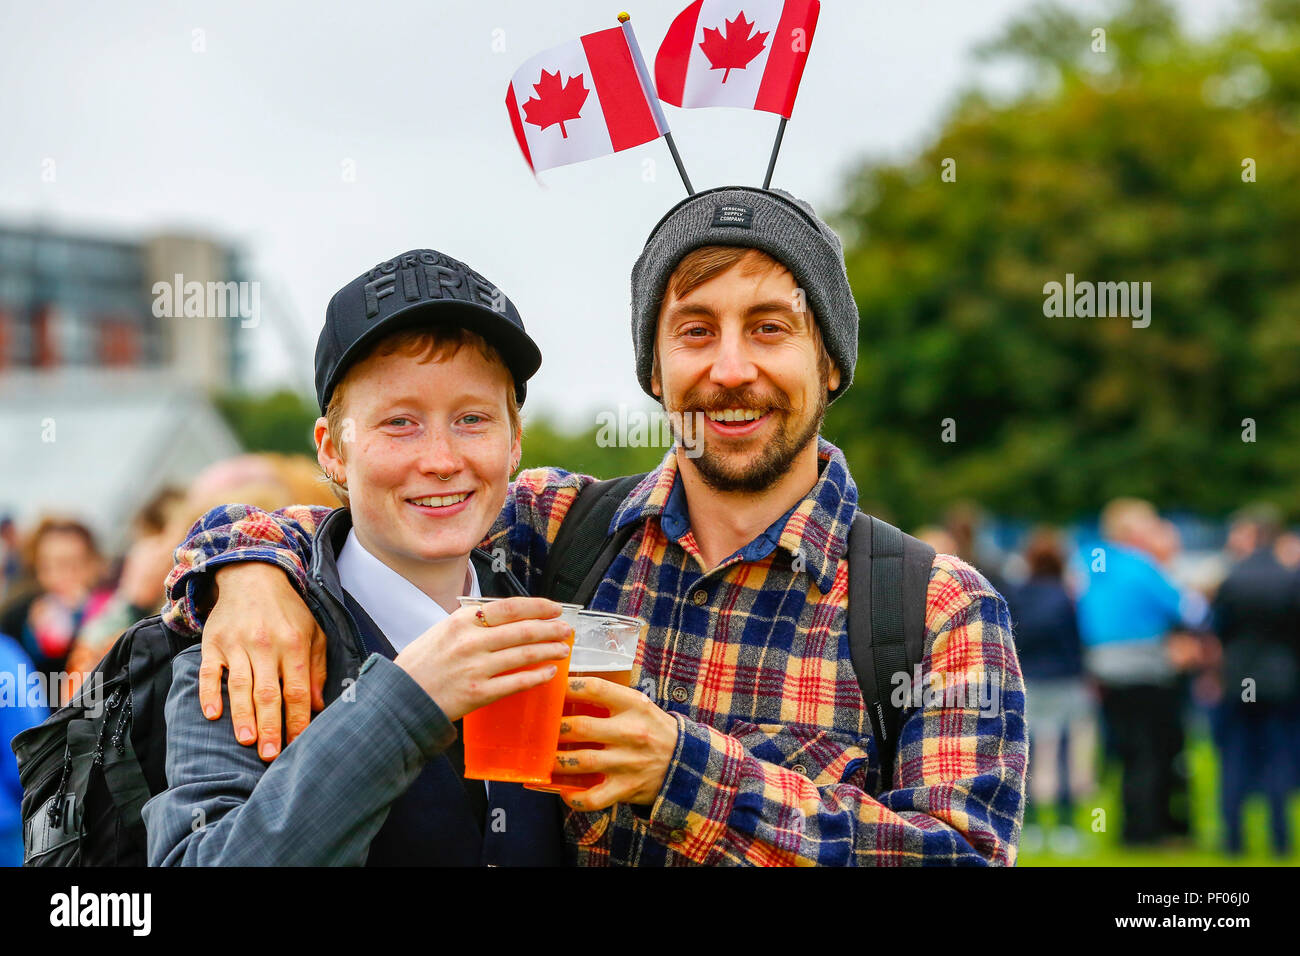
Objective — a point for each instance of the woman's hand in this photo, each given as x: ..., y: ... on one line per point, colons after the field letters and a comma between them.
x: 464, y: 663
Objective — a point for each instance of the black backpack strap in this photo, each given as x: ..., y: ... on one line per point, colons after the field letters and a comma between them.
x: 125, y: 779
x: 583, y: 548
x: 889, y: 574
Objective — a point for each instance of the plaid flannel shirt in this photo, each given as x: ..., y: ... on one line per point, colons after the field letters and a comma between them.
x: 775, y: 761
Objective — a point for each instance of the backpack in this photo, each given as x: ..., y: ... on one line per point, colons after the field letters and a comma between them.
x: 889, y: 573
x: 87, y: 771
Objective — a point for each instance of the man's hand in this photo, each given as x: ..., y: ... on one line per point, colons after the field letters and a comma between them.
x: 639, y: 741
x: 261, y: 632
x: 1186, y: 652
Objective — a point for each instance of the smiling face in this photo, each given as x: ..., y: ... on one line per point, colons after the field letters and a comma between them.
x: 65, y: 562
x: 406, y: 421
x: 741, y: 349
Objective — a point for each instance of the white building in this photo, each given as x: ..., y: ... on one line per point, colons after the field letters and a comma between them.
x: 104, y: 387
x: 97, y: 444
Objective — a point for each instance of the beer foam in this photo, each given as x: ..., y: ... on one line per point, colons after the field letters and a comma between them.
x: 592, y: 659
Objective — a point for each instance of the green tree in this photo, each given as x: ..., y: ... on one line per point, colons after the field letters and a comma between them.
x: 590, y: 451
x: 1131, y: 164
x: 279, y: 421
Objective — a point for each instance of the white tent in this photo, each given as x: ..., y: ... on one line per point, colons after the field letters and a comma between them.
x: 96, y: 445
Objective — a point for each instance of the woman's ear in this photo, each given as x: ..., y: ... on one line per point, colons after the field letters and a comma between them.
x: 328, y: 453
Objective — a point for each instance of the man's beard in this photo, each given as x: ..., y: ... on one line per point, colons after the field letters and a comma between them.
x: 773, y: 459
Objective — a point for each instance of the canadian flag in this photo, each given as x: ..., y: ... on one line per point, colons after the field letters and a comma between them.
x: 745, y: 53
x: 584, y: 99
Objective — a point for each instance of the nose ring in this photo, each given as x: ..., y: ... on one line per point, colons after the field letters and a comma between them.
x: 441, y: 478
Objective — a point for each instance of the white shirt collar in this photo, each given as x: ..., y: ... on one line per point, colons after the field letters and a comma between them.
x: 401, y: 610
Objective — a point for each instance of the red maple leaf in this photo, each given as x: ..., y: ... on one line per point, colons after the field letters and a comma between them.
x: 555, y: 102
x: 736, y: 49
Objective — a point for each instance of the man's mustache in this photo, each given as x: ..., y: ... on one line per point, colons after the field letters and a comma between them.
x: 722, y: 399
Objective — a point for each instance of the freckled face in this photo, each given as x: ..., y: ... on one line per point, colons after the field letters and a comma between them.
x: 408, y: 422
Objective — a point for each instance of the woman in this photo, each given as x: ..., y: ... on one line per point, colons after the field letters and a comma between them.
x: 67, y: 569
x: 1060, y: 709
x: 419, y: 373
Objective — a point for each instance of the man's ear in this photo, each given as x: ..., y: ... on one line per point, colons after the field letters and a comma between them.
x: 656, y: 382
x: 833, y: 380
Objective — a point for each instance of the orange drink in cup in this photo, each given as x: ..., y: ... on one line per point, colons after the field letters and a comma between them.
x: 513, y: 739
x: 604, y: 647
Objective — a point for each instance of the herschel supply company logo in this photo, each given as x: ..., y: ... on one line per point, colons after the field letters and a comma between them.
x: 76, y: 909
x: 731, y: 214
x: 208, y: 300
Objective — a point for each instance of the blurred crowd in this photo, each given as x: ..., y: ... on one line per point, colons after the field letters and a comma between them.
x: 1125, y: 641
x: 63, y: 603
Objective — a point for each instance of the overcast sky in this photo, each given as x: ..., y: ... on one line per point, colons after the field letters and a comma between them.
x: 252, y: 136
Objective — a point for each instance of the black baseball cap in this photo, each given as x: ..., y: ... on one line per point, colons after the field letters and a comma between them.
x: 418, y: 288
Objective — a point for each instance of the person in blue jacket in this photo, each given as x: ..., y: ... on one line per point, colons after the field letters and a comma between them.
x: 20, y: 708
x: 1128, y: 610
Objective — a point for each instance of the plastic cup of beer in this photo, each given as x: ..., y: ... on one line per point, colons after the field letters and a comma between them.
x: 513, y: 739
x: 604, y: 646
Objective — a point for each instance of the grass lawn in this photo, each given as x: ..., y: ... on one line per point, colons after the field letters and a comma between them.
x: 1104, y: 848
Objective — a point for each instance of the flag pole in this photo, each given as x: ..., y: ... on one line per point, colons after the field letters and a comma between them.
x: 776, y: 148
x: 681, y: 170
x: 653, y: 97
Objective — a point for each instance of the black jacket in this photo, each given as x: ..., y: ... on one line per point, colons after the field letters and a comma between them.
x: 1257, y: 619
x: 407, y: 802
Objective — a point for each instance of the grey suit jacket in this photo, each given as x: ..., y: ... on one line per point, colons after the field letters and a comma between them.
x: 320, y: 803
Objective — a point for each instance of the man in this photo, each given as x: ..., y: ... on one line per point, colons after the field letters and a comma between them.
x: 1256, y: 614
x: 747, y: 741
x: 1127, y: 612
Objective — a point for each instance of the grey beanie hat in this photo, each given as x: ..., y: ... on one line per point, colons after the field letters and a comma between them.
x: 772, y: 220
